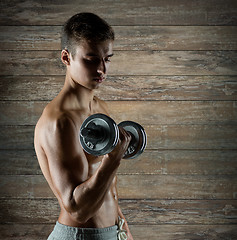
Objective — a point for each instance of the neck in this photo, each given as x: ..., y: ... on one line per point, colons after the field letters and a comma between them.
x: 76, y: 96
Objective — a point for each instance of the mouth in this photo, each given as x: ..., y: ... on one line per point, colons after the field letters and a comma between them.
x: 99, y: 80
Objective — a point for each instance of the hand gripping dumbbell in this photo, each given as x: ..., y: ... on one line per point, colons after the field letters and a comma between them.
x: 99, y: 135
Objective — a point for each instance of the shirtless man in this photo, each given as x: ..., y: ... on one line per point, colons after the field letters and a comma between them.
x: 84, y: 185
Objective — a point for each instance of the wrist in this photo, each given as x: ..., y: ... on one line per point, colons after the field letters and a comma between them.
x: 108, y: 165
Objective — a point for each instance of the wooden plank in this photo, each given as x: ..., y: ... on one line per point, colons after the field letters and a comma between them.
x: 175, y: 38
x: 160, y: 137
x: 179, y: 211
x: 140, y: 232
x: 205, y: 162
x: 143, y: 12
x: 30, y: 87
x: 18, y: 231
x: 33, y: 88
x: 191, y: 137
x: 134, y: 186
x: 175, y: 112
x: 127, y: 63
x: 136, y: 211
x: 30, y: 37
x: 17, y: 137
x: 177, y: 186
x: 163, y: 112
x: 127, y: 38
x: 175, y: 63
x: 184, y: 232
x: 15, y: 162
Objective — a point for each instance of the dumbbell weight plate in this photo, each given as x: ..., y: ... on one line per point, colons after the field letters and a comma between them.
x: 139, y: 140
x: 107, y: 127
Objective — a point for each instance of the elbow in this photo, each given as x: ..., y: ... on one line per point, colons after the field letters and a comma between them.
x: 78, y: 212
x: 69, y: 204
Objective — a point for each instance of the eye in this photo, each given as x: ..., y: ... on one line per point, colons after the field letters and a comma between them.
x: 92, y: 60
x: 108, y: 59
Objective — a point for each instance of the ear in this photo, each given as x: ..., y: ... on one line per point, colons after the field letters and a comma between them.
x: 65, y: 57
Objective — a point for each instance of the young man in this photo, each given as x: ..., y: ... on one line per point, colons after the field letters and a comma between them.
x: 84, y: 185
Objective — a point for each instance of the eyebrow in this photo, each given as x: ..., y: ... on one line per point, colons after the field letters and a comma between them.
x: 94, y: 55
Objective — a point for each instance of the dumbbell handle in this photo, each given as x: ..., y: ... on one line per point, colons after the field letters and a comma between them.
x: 91, y: 134
x: 96, y: 134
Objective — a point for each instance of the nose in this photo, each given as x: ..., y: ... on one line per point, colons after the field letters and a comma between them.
x: 102, y: 69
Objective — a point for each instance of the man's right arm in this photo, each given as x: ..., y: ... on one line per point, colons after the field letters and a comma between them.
x: 68, y: 166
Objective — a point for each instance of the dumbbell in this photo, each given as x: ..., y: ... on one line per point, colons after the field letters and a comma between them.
x: 99, y: 134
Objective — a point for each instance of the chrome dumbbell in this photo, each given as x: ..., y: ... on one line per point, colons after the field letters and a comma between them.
x: 99, y: 135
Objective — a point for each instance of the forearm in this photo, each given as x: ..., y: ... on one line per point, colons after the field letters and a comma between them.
x: 88, y: 197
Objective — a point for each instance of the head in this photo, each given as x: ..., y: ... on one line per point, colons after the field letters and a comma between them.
x: 87, y: 42
x: 85, y: 27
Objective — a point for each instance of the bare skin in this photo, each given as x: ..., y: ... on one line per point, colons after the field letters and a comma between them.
x: 84, y: 185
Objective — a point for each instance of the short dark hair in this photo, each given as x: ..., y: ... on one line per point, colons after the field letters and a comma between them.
x: 84, y: 26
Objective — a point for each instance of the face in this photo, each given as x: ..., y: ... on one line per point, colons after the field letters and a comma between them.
x: 90, y: 65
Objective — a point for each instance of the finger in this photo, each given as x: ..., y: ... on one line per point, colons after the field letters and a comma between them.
x: 125, y: 134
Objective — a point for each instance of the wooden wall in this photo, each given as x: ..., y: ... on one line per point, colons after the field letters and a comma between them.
x: 174, y: 71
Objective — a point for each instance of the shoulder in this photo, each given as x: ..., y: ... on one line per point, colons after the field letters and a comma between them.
x: 54, y: 122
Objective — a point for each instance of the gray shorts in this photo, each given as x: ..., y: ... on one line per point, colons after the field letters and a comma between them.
x: 63, y: 232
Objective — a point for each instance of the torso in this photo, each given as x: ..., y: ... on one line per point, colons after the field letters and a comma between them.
x: 107, y: 215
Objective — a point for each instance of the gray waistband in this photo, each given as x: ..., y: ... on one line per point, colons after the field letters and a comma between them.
x: 62, y: 232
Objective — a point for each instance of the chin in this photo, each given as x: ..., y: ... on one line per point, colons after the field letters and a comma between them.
x: 94, y: 87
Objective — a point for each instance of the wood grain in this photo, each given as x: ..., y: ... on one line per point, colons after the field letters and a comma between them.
x: 179, y: 162
x: 135, y: 187
x: 136, y: 211
x: 127, y: 63
x: 19, y: 231
x: 127, y: 38
x: 177, y: 187
x: 143, y: 112
x: 184, y: 232
x: 162, y: 12
x: 175, y: 63
x: 160, y: 137
x: 174, y: 71
x: 145, y: 88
